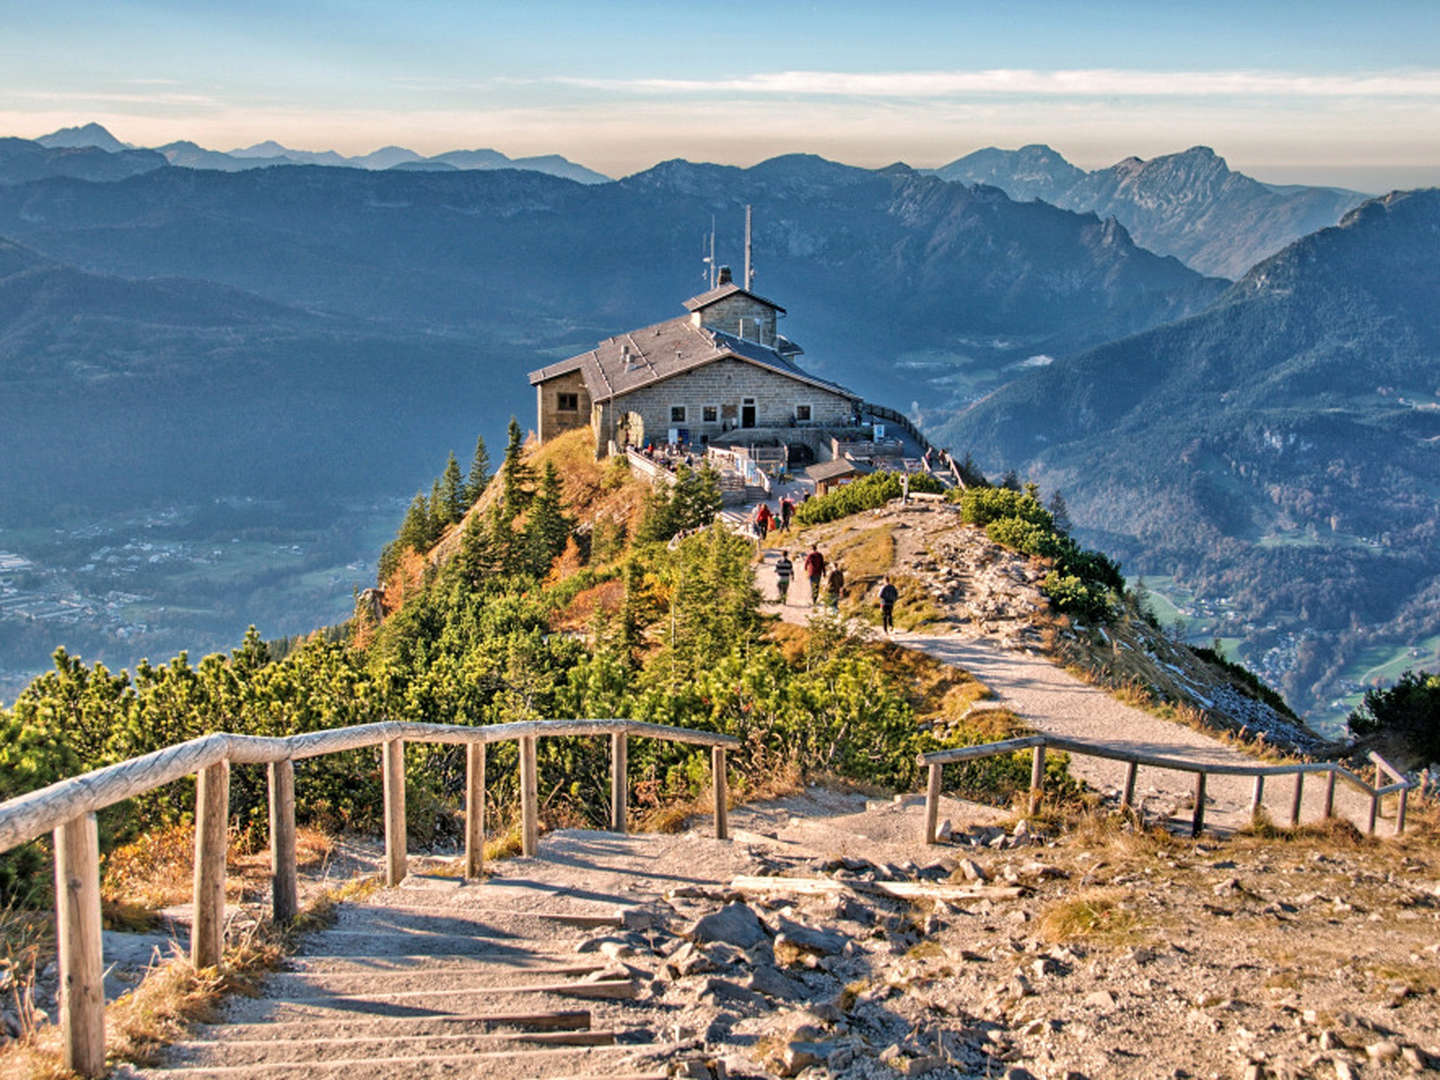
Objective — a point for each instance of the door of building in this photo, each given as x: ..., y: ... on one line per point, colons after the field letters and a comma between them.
x: 747, y: 412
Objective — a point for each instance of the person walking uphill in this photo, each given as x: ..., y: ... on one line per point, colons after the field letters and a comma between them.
x: 784, y: 571
x: 888, y: 595
x: 814, y: 570
x: 834, y: 587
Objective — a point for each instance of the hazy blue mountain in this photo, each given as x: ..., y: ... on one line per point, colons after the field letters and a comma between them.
x: 270, y: 149
x: 474, y: 159
x: 953, y: 282
x: 1279, y: 449
x: 22, y: 160
x: 1032, y: 172
x: 385, y: 158
x: 85, y: 135
x: 189, y: 155
x: 1190, y: 204
x: 423, y: 165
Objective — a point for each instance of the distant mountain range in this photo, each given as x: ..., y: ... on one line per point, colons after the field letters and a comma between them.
x: 1190, y: 205
x: 270, y: 153
x: 1280, y: 449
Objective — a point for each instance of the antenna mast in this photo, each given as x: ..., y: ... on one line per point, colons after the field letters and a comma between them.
x: 749, y: 273
x: 712, y: 251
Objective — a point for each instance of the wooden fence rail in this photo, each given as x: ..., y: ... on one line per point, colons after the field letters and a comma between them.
x: 1038, y: 744
x: 67, y: 809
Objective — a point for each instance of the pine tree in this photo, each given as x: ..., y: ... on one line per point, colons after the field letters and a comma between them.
x: 479, y: 477
x: 435, y: 512
x: 476, y: 560
x: 452, y: 491
x: 516, y: 476
x: 547, y: 527
x: 415, y: 530
x: 1011, y: 481
x: 1060, y: 513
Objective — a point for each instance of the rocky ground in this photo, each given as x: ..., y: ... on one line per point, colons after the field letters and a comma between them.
x: 823, y: 940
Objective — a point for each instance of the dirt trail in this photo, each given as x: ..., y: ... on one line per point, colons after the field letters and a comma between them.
x: 1053, y: 701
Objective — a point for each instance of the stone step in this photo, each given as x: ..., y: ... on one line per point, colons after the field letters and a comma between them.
x: 433, y: 1002
x: 320, y: 1049
x: 405, y: 1026
x: 508, y: 1064
x: 291, y: 983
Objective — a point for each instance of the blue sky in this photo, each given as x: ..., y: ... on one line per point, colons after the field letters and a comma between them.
x: 1319, y: 91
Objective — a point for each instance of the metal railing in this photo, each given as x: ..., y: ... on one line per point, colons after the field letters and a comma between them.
x: 1401, y: 786
x: 68, y: 807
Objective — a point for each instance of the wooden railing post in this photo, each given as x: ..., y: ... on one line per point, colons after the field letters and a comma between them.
x: 932, y: 802
x: 393, y: 770
x: 619, y: 780
x: 474, y: 809
x: 284, y: 885
x: 529, y: 798
x: 77, y: 911
x: 1374, y: 813
x: 1127, y: 796
x: 722, y: 808
x: 1197, y: 823
x: 1295, y: 800
x: 1402, y: 801
x: 1257, y: 798
x: 1330, y: 794
x: 1037, y: 777
x: 212, y: 812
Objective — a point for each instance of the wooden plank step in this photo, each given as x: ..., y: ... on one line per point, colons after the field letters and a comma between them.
x: 413, y: 1065
x: 505, y: 959
x: 900, y: 890
x: 437, y: 1002
x: 228, y: 1051
x: 599, y: 988
x: 403, y: 1026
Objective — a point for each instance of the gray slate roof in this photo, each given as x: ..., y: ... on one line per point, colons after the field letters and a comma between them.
x: 836, y: 468
x: 627, y: 362
x: 720, y: 292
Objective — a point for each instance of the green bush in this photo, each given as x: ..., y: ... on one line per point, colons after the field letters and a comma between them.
x: 864, y: 494
x: 1405, y: 719
x: 980, y: 506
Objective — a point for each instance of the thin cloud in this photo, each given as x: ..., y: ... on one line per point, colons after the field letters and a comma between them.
x: 1073, y: 83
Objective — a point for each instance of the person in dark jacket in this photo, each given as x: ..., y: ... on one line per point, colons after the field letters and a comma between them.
x: 784, y: 571
x: 835, y: 588
x: 814, y: 570
x: 888, y: 595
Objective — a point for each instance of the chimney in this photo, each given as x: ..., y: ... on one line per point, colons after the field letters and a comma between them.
x: 724, y: 276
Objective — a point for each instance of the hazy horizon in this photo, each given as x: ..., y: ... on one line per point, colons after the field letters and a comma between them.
x: 1327, y: 93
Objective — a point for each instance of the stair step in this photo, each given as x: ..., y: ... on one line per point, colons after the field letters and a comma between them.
x: 503, y: 958
x: 389, y: 982
x: 404, y: 1026
x: 318, y: 1049
x: 581, y: 1061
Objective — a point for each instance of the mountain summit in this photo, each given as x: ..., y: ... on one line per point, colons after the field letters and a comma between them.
x: 87, y: 135
x: 1190, y: 205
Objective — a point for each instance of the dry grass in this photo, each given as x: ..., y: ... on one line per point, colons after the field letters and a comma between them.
x: 1099, y: 915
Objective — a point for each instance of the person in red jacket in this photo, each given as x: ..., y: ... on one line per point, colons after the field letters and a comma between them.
x: 814, y: 570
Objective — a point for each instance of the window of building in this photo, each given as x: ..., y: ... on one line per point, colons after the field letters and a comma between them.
x: 802, y: 413
x: 709, y: 414
x: 567, y: 402
x: 677, y: 414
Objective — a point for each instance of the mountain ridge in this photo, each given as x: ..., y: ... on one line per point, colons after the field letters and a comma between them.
x: 1188, y: 204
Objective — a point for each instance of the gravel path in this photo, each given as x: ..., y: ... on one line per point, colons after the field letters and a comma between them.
x: 1053, y: 701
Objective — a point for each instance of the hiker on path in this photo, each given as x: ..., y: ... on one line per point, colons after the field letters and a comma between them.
x: 763, y: 519
x: 888, y: 595
x: 814, y: 570
x: 784, y: 571
x: 787, y: 511
x: 834, y: 586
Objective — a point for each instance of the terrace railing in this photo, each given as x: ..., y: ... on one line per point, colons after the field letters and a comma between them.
x: 68, y: 808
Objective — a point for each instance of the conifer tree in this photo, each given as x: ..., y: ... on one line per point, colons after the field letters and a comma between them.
x: 436, y: 512
x: 452, y: 491
x: 415, y: 530
x: 515, y: 474
x: 479, y: 477
x: 547, y: 527
x: 476, y: 560
x: 1059, y: 513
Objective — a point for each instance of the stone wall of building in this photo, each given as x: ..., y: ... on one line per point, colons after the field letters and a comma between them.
x: 552, y: 419
x: 726, y: 315
x: 724, y: 386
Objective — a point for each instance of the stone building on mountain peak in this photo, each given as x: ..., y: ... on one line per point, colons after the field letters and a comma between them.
x: 722, y: 373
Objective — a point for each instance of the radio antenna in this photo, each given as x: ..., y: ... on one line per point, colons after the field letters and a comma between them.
x: 749, y: 273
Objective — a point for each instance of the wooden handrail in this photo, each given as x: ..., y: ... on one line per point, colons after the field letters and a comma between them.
x: 68, y: 808
x: 1038, y: 744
